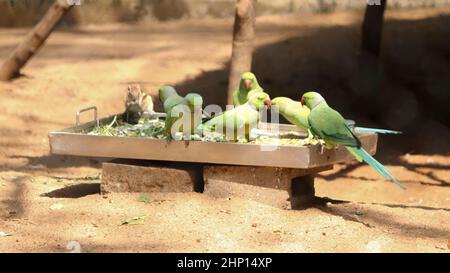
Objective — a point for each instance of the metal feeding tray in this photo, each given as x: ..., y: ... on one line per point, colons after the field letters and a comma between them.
x: 74, y: 141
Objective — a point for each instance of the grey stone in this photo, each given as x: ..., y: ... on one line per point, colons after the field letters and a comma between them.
x: 278, y: 187
x: 149, y: 176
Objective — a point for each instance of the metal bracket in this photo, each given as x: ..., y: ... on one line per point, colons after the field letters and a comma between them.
x: 85, y: 110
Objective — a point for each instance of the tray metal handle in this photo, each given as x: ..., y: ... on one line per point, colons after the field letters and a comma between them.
x: 85, y: 110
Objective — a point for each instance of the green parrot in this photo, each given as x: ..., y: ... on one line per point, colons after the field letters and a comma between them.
x: 248, y: 85
x: 176, y: 106
x: 294, y: 112
x: 195, y: 105
x: 244, y: 117
x: 297, y: 114
x: 331, y: 127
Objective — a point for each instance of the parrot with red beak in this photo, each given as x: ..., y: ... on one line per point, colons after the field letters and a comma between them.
x: 294, y: 112
x: 297, y: 113
x: 329, y: 125
x: 248, y: 85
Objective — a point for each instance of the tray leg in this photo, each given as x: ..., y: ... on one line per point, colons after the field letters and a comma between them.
x: 301, y: 192
x: 197, y: 177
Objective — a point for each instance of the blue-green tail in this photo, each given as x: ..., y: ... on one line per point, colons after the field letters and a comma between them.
x: 373, y: 130
x: 361, y: 155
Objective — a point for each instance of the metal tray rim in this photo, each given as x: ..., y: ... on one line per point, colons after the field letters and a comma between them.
x: 70, y: 141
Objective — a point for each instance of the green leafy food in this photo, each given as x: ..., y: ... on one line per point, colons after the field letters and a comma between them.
x: 145, y: 199
x: 154, y: 128
x: 134, y: 221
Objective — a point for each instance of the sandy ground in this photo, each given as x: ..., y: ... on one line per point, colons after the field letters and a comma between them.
x: 91, y: 66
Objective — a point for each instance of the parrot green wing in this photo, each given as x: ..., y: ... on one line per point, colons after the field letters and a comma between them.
x: 240, y: 97
x: 241, y: 94
x: 239, y: 117
x: 249, y: 115
x: 170, y: 104
x: 236, y: 118
x: 193, y: 101
x: 255, y: 90
x: 168, y: 125
x: 236, y: 101
x: 330, y: 126
x: 233, y: 116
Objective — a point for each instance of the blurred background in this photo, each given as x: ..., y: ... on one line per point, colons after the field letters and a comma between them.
x: 301, y: 45
x: 28, y: 12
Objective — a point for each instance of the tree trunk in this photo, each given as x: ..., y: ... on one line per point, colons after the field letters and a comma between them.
x: 34, y: 40
x: 243, y: 36
x: 372, y: 27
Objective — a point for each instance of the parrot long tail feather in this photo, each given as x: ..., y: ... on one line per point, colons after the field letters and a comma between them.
x: 374, y: 130
x: 361, y: 155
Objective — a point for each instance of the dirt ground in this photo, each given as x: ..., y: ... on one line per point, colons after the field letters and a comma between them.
x: 91, y: 65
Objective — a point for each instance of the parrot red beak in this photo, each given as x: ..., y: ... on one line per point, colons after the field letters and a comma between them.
x: 302, y: 101
x: 268, y: 102
x: 248, y: 84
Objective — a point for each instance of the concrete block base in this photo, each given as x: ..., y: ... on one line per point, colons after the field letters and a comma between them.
x: 151, y: 176
x: 225, y: 189
x: 302, y: 192
x: 278, y: 187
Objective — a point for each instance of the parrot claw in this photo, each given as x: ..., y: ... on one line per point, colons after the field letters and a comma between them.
x: 322, y: 149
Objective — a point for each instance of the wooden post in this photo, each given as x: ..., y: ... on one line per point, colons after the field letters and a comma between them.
x: 243, y: 35
x: 372, y: 27
x: 33, y: 41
